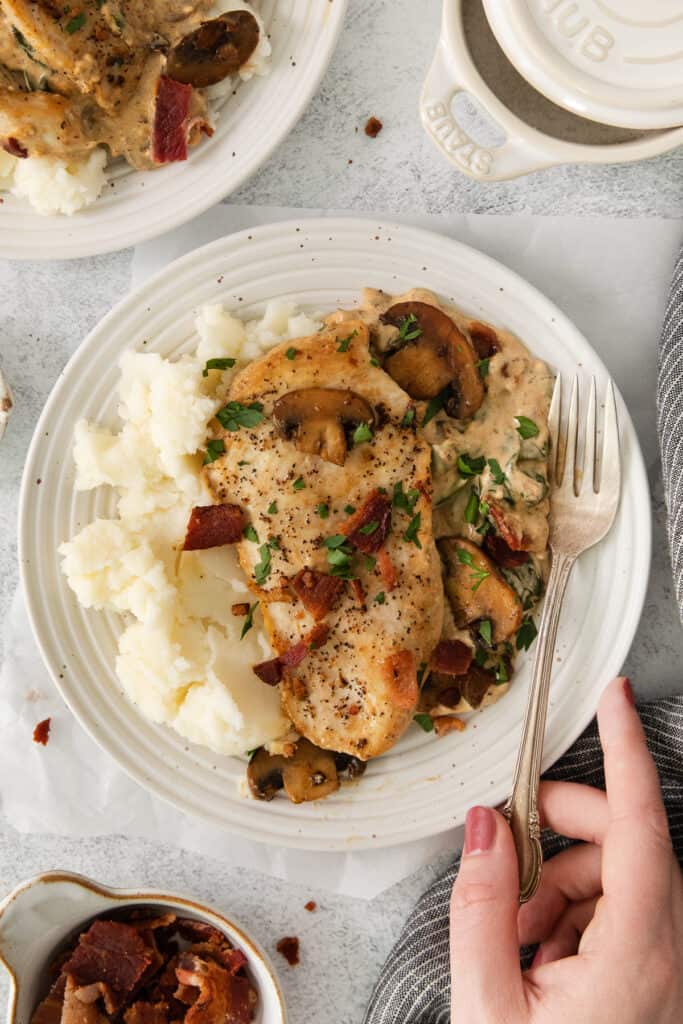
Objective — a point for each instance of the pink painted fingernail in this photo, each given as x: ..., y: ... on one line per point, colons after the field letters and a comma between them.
x: 628, y: 692
x: 480, y: 830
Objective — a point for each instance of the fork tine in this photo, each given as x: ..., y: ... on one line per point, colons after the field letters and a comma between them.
x: 610, y: 478
x: 554, y: 430
x: 569, y: 468
x: 589, y: 468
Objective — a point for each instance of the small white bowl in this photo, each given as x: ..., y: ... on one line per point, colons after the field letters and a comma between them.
x: 41, y: 914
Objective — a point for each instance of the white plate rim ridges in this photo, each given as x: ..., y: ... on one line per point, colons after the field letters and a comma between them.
x: 253, y: 122
x: 422, y: 787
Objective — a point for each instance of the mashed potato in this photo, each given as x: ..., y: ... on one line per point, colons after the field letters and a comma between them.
x: 181, y: 658
x: 55, y: 186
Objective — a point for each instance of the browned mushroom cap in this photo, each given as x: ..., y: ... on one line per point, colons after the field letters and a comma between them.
x: 440, y: 356
x: 217, y: 49
x: 476, y: 590
x: 318, y: 419
x: 310, y: 774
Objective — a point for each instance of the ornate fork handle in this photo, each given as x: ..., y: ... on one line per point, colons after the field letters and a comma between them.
x: 521, y: 809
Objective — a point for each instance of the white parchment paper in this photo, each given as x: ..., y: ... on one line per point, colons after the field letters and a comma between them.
x: 610, y: 276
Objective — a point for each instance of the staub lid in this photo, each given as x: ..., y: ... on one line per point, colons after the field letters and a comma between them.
x: 615, y: 61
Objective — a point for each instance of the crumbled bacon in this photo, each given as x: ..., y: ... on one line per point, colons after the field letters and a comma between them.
x: 170, y: 128
x: 387, y: 569
x: 14, y: 147
x: 502, y: 553
x: 271, y: 672
x: 317, y: 591
x: 113, y: 955
x: 376, y: 509
x: 289, y: 947
x: 484, y: 339
x: 401, y: 677
x: 373, y: 127
x: 310, y: 906
x: 452, y: 657
x: 240, y: 609
x: 147, y: 1013
x: 506, y: 531
x: 41, y: 733
x: 359, y: 594
x: 444, y: 724
x: 78, y: 1008
x: 211, y: 526
x: 223, y: 998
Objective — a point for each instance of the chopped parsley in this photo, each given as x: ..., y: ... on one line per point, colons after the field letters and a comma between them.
x: 214, y: 450
x: 373, y: 361
x: 251, y: 754
x: 218, y: 364
x: 362, y: 433
x: 273, y: 542
x: 478, y: 574
x: 349, y: 509
x: 486, y: 631
x: 272, y: 508
x: 235, y: 415
x: 502, y: 673
x: 262, y: 568
x: 290, y: 353
x: 369, y: 527
x: 251, y: 534
x: 480, y: 657
x: 468, y: 466
x: 425, y: 722
x: 408, y: 418
x: 244, y: 462
x: 345, y: 342
x: 405, y: 500
x: 410, y: 328
x: 370, y: 562
x: 298, y: 484
x: 411, y: 534
x: 339, y: 555
x: 323, y: 510
x: 483, y: 367
x: 472, y: 509
x: 496, y: 472
x: 249, y: 621
x: 78, y: 21
x: 380, y: 598
x: 526, y: 634
x: 435, y: 405
x: 526, y: 428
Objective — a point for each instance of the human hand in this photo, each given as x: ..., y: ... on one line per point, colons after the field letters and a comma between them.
x: 608, y: 913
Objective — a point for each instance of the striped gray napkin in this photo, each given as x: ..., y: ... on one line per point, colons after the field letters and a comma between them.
x: 414, y: 986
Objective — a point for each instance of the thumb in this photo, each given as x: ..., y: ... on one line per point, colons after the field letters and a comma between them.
x: 487, y: 978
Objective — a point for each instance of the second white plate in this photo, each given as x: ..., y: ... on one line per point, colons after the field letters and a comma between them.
x: 423, y: 786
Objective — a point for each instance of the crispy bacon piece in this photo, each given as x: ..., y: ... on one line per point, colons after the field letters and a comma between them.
x: 271, y: 672
x: 41, y: 733
x: 311, y: 906
x: 359, y: 595
x: 169, y: 131
x: 113, y: 955
x: 387, y: 569
x: 444, y: 724
x: 147, y: 1013
x: 401, y: 676
x: 14, y: 148
x: 376, y: 509
x: 240, y: 609
x: 317, y: 591
x: 451, y: 657
x: 50, y: 1010
x: 484, y: 339
x: 223, y: 998
x: 503, y: 555
x: 211, y: 526
x: 511, y: 538
x: 289, y: 948
x: 79, y: 1007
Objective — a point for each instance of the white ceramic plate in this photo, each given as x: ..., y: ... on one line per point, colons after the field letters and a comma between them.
x: 136, y: 205
x: 423, y: 786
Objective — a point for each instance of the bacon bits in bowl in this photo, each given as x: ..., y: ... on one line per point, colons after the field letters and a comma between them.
x: 291, y: 545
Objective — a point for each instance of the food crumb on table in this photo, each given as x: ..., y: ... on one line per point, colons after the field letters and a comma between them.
x: 289, y: 948
x: 373, y: 127
x: 310, y: 906
x: 41, y: 733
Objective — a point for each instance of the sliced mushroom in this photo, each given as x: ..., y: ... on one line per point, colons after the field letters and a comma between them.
x: 310, y: 774
x: 446, y: 694
x: 215, y: 50
x: 318, y: 419
x: 476, y: 590
x: 440, y: 357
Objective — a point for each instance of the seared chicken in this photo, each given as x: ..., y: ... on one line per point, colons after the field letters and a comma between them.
x: 321, y: 451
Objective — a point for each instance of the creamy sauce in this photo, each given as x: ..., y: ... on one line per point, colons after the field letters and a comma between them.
x: 101, y: 65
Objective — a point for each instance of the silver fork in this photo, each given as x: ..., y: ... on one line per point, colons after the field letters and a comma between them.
x: 583, y: 505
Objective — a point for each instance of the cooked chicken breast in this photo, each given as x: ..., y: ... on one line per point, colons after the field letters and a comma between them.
x: 321, y: 451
